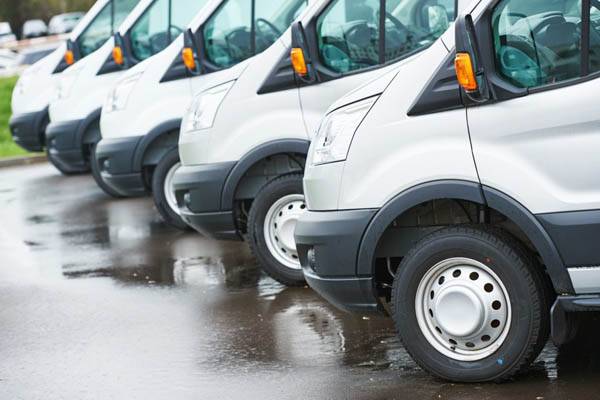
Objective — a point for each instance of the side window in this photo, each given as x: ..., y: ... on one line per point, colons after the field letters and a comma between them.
x: 97, y: 32
x: 595, y: 36
x: 538, y: 43
x: 228, y: 34
x: 272, y: 19
x: 149, y: 35
x: 104, y: 25
x: 160, y: 25
x: 350, y: 32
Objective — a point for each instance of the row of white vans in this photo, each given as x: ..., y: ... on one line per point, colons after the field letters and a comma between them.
x: 454, y: 188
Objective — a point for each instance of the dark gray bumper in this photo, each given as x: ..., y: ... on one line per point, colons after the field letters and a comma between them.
x: 199, y: 191
x: 328, y: 244
x: 28, y: 130
x: 64, y: 147
x: 115, y: 158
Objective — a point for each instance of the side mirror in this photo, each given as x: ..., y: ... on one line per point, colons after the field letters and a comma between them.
x: 300, y: 55
x: 469, y: 71
x: 118, y: 53
x: 189, y: 54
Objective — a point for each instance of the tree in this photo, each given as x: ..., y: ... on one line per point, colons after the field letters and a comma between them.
x: 16, y: 12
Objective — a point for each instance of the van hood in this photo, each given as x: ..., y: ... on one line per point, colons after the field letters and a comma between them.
x: 220, y: 77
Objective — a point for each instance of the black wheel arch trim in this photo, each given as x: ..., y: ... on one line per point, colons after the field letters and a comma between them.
x: 283, y: 146
x: 468, y: 191
x: 85, y: 125
x: 147, y: 140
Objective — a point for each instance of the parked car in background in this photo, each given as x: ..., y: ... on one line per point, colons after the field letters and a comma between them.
x: 37, y: 84
x: 74, y: 128
x: 34, y: 28
x: 9, y: 62
x: 64, y: 23
x: 135, y: 126
x: 6, y: 33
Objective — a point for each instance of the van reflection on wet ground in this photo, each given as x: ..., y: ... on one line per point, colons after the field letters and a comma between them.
x: 101, y: 300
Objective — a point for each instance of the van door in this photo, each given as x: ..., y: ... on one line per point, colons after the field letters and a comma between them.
x: 541, y: 149
x: 355, y: 39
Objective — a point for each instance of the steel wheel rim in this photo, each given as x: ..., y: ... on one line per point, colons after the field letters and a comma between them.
x: 463, y: 309
x: 169, y: 190
x: 279, y: 227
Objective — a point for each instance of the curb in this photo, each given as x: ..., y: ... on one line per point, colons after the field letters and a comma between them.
x: 23, y: 160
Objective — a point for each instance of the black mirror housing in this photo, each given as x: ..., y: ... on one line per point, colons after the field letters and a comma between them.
x: 466, y: 42
x: 299, y: 41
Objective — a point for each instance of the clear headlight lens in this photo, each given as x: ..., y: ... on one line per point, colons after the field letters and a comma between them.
x: 203, y: 110
x: 119, y: 95
x: 333, y: 140
x: 67, y: 81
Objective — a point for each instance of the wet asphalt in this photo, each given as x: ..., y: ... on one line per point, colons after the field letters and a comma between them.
x: 100, y: 300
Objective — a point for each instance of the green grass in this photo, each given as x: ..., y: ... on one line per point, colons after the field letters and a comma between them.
x: 7, y: 147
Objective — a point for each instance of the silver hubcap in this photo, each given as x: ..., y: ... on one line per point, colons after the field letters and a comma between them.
x: 279, y: 228
x: 169, y: 190
x: 463, y: 309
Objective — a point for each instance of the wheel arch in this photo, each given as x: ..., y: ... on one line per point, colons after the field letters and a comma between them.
x: 471, y: 192
x: 262, y: 152
x: 86, y: 135
x: 149, y: 142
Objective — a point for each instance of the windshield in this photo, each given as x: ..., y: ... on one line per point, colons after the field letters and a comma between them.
x: 161, y: 24
x: 231, y: 36
x: 104, y: 25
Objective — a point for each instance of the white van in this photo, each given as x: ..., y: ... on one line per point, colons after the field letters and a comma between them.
x: 243, y: 143
x: 138, y: 151
x: 37, y: 84
x: 472, y: 213
x: 75, y: 111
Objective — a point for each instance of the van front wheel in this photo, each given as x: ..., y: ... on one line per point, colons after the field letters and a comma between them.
x: 471, y: 305
x: 271, y: 225
x: 162, y: 190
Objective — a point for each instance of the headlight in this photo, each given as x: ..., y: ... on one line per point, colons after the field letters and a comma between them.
x: 203, y: 110
x: 333, y: 140
x: 67, y: 81
x: 119, y: 94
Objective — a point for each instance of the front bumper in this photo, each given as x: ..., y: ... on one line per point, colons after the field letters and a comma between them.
x: 199, y: 191
x: 28, y: 130
x: 328, y: 245
x: 65, y: 147
x: 115, y: 158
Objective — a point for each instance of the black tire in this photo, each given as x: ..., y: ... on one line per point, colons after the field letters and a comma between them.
x: 518, y: 270
x: 169, y: 215
x: 57, y: 165
x: 266, y: 198
x: 97, y: 174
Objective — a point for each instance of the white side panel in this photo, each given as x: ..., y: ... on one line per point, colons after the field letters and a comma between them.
x: 585, y: 280
x: 541, y: 149
x: 392, y: 152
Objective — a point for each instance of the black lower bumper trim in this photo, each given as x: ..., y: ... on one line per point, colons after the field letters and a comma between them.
x: 115, y: 158
x: 562, y: 315
x: 61, y: 141
x: 28, y: 130
x: 328, y: 244
x: 198, y: 190
x: 219, y: 225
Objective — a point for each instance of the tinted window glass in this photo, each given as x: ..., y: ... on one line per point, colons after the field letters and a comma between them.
x: 537, y: 42
x: 228, y: 33
x: 104, y: 25
x: 160, y: 25
x: 350, y: 31
x: 348, y: 35
x: 595, y: 37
